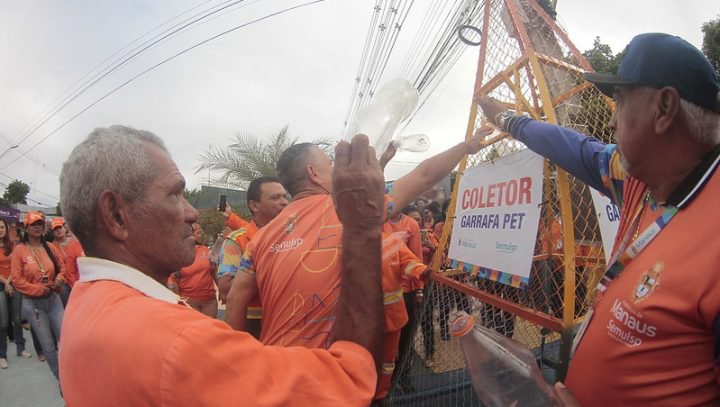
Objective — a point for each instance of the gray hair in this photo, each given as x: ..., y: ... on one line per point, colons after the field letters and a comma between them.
x: 111, y: 159
x: 703, y: 124
x: 291, y: 166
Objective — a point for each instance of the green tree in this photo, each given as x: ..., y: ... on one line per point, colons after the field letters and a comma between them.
x: 711, y: 42
x: 248, y: 157
x: 601, y: 57
x: 16, y: 192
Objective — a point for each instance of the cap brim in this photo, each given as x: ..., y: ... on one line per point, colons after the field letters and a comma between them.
x: 606, y: 82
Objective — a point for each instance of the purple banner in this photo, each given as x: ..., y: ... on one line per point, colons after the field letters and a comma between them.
x: 10, y: 215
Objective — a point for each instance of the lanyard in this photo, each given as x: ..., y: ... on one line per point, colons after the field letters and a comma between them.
x: 626, y: 253
x: 41, y: 266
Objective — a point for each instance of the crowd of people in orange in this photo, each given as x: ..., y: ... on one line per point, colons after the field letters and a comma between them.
x: 320, y: 290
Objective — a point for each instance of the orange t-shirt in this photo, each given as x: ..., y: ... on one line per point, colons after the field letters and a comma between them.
x: 295, y: 259
x: 73, y: 251
x: 166, y: 354
x: 26, y: 272
x: 653, y: 339
x: 398, y: 264
x: 196, y: 280
x: 4, y: 263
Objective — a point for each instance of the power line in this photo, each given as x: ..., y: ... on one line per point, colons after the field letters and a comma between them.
x: 124, y: 59
x: 54, y: 104
x: 288, y: 9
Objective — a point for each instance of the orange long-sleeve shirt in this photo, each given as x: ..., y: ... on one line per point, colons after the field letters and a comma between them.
x: 189, y: 359
x: 235, y: 222
x: 4, y: 264
x: 73, y: 251
x: 196, y: 280
x: 408, y: 226
x: 398, y: 263
x: 27, y: 274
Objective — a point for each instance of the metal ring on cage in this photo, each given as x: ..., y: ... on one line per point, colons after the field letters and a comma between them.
x: 472, y: 28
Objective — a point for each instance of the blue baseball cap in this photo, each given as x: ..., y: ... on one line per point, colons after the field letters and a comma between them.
x: 658, y: 60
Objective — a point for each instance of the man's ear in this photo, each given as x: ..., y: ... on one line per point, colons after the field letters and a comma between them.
x: 114, y: 212
x: 313, y: 175
x: 253, y: 206
x: 668, y: 110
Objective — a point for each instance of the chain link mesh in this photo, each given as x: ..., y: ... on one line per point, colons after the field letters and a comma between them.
x: 529, y: 64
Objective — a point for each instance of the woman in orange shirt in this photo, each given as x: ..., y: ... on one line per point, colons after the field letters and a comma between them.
x: 62, y: 242
x: 10, y: 302
x: 36, y: 268
x: 196, y: 282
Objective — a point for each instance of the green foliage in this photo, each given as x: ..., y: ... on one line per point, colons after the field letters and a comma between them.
x: 711, y: 42
x: 194, y: 196
x: 16, y: 192
x: 212, y: 223
x: 601, y: 57
x: 248, y: 157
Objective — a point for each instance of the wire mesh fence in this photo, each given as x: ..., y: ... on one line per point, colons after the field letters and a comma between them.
x: 529, y: 64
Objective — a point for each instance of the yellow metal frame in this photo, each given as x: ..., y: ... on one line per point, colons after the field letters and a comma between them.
x: 531, y: 63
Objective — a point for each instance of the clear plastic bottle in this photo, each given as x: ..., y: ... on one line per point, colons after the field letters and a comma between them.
x: 390, y: 105
x: 502, y: 372
x: 216, y: 249
x: 416, y: 143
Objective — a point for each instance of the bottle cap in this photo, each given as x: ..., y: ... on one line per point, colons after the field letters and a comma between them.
x: 461, y: 324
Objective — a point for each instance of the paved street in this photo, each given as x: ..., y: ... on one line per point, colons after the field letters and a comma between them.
x: 28, y: 382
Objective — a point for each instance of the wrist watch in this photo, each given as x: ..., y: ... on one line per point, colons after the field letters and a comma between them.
x: 502, y: 119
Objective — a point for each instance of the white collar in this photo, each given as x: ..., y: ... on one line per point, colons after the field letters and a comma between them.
x: 94, y: 269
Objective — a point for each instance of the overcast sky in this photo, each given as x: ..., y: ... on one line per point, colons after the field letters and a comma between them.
x: 297, y: 69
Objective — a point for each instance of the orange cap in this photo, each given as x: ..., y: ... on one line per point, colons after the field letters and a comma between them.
x: 56, y: 223
x: 32, y: 217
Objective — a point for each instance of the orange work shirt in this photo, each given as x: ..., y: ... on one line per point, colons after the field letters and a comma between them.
x: 409, y: 228
x: 4, y: 263
x: 398, y: 263
x: 654, y: 336
x: 73, y: 251
x: 235, y: 222
x: 295, y: 259
x: 196, y: 280
x: 27, y: 274
x: 126, y: 341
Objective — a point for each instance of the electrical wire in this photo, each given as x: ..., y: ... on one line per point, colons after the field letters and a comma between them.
x: 129, y: 56
x: 133, y: 78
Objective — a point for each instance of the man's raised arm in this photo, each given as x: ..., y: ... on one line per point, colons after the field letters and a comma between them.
x: 359, y: 201
x: 431, y: 171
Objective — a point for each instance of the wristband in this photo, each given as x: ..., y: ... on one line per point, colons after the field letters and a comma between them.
x: 502, y: 119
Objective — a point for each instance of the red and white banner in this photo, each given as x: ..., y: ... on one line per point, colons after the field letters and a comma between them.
x: 497, y: 214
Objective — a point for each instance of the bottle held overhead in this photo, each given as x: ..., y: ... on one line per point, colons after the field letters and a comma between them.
x: 392, y: 104
x: 417, y: 143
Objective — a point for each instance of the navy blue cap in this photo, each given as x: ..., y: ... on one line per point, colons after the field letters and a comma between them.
x: 658, y: 60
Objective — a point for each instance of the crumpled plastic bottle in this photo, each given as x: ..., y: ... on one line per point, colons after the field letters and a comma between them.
x: 417, y: 143
x: 216, y: 249
x: 502, y: 372
x: 393, y: 103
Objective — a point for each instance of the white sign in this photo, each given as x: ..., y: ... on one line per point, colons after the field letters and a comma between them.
x: 497, y: 214
x: 608, y: 216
